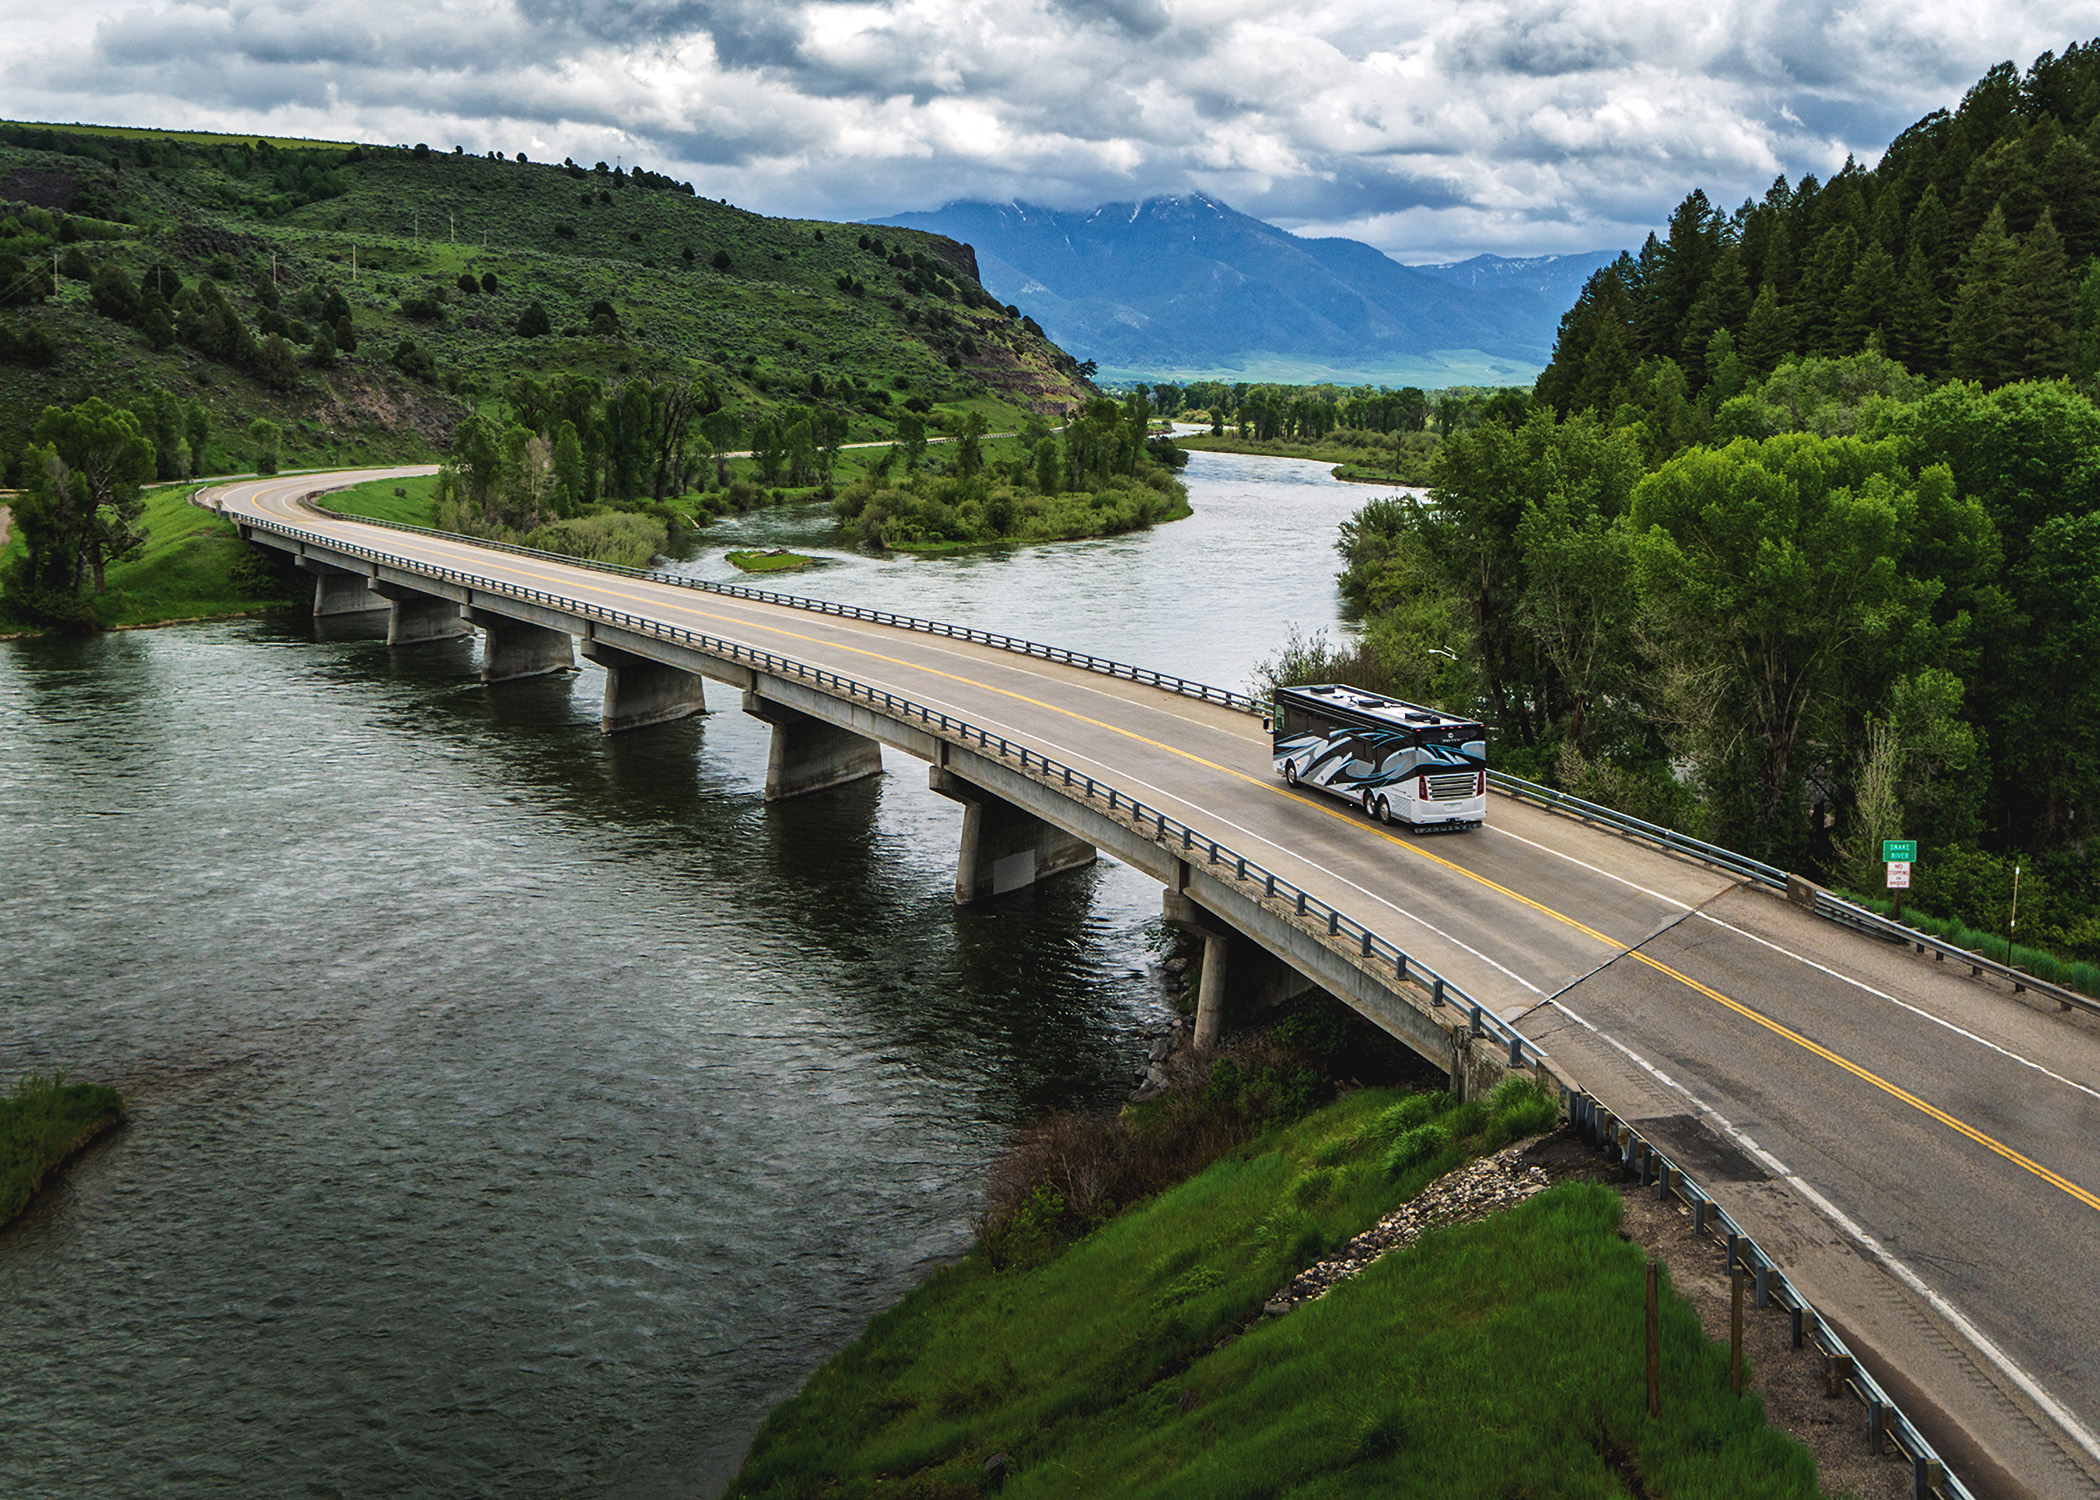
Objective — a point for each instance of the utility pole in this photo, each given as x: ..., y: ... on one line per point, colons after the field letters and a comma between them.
x: 353, y: 262
x: 451, y: 229
x: 273, y: 268
x: 416, y: 230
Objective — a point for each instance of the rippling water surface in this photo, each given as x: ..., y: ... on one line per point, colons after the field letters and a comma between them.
x: 514, y: 1110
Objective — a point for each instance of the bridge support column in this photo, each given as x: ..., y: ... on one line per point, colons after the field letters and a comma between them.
x: 1238, y: 973
x: 1004, y: 848
x: 338, y: 592
x: 417, y: 617
x: 807, y: 754
x: 640, y: 692
x: 513, y: 649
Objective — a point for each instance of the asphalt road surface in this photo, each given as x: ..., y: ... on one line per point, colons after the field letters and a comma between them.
x: 1919, y: 1150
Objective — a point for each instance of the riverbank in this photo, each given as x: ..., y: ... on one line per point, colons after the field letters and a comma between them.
x: 43, y: 1124
x: 1355, y: 463
x: 1490, y: 1357
x: 194, y: 566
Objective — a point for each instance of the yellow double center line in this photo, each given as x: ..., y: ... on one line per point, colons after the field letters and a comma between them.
x: 1866, y: 1075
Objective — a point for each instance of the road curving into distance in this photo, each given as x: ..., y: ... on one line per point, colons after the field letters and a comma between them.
x: 1919, y: 1150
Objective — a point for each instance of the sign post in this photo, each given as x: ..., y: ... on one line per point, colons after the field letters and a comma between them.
x: 1899, y: 855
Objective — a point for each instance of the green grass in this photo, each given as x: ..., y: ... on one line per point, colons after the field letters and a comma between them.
x: 778, y: 560
x: 414, y: 505
x: 194, y: 566
x: 761, y: 330
x: 2070, y: 973
x: 40, y: 1122
x: 1499, y: 1360
x: 196, y: 137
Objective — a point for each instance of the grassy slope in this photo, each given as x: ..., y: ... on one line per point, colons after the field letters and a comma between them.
x: 376, y: 498
x: 1499, y: 1360
x: 194, y: 565
x: 39, y: 1124
x: 760, y: 330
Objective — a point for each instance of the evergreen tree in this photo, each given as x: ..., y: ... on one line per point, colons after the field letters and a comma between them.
x: 1916, y: 318
x: 1768, y: 336
x: 2042, y: 304
x: 1982, y: 344
x: 2085, y: 357
x: 1867, y: 307
x: 1722, y: 304
x: 1822, y: 287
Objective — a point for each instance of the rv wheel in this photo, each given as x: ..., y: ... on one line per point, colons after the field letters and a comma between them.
x: 1385, y: 811
x: 1290, y: 773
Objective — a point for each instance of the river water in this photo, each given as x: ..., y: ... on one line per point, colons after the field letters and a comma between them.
x: 515, y: 1110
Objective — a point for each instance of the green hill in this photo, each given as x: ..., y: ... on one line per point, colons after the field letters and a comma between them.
x: 219, y: 270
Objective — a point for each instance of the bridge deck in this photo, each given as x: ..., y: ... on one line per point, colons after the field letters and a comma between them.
x: 1875, y: 1094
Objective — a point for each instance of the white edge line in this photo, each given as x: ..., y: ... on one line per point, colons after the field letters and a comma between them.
x: 1977, y: 1339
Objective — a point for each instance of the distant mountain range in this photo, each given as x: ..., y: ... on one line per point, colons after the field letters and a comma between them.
x: 1187, y: 287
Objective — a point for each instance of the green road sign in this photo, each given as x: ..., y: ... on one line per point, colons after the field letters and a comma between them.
x: 1896, y: 851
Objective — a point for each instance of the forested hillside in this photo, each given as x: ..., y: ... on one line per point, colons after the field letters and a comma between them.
x: 174, y: 305
x: 1798, y: 544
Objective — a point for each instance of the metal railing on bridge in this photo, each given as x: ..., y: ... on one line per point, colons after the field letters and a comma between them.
x: 1887, y: 1425
x: 1886, y: 1421
x: 1274, y: 892
x: 1823, y: 903
x: 1106, y: 666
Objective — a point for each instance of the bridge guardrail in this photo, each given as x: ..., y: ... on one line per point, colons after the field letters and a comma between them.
x: 1654, y: 833
x: 1274, y: 891
x: 1886, y: 1421
x: 1108, y: 667
x: 1931, y: 1476
x: 1831, y: 907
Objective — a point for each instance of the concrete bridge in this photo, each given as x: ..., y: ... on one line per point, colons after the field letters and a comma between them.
x: 1919, y: 1143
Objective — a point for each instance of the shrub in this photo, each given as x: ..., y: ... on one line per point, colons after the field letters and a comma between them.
x: 534, y: 323
x: 1413, y: 1147
x: 414, y: 361
x: 31, y: 347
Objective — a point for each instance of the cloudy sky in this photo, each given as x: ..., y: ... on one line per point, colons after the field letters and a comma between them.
x: 1432, y: 130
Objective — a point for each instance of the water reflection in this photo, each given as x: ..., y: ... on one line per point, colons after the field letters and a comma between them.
x: 518, y: 1109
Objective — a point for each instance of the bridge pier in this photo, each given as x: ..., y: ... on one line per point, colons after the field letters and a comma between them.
x: 337, y: 591
x: 513, y: 649
x: 808, y: 754
x: 1239, y: 975
x: 640, y: 692
x: 415, y: 617
x: 1003, y: 847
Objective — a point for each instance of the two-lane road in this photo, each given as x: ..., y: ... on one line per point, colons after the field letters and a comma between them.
x: 1919, y: 1147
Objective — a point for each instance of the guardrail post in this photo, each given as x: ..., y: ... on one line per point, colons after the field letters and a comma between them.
x: 1877, y: 1414
x: 1735, y: 1247
x: 1926, y: 1474
x: 1764, y: 1282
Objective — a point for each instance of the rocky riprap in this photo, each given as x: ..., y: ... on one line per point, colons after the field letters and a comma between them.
x: 1472, y: 1192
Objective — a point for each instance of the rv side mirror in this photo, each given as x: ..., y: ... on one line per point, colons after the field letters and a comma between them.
x: 1265, y: 724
